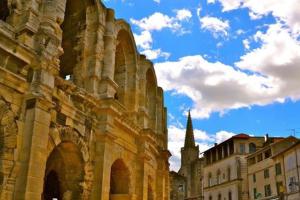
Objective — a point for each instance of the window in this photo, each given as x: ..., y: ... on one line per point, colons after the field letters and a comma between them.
x: 242, y: 148
x: 219, y: 197
x: 254, y: 178
x: 228, y: 174
x: 218, y: 177
x: 266, y: 173
x: 209, y: 180
x: 268, y: 153
x: 210, y: 197
x: 259, y: 157
x: 180, y: 188
x: 251, y: 161
x: 254, y: 193
x: 268, y: 190
x: 4, y: 11
x: 229, y: 196
x: 279, y: 187
x: 278, y: 168
x: 292, y: 184
x: 252, y: 148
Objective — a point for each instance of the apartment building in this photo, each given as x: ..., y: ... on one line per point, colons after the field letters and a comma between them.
x: 265, y: 174
x: 225, y: 169
x: 290, y: 158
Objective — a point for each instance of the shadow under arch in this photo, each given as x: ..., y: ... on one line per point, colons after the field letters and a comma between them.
x: 4, y: 10
x: 73, y: 27
x: 125, y: 69
x: 151, y: 93
x: 119, y: 179
x: 65, y: 169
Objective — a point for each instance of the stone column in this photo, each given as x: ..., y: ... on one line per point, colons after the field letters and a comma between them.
x: 107, y: 86
x: 34, y: 149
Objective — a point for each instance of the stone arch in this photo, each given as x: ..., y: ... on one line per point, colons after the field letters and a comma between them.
x: 67, y: 135
x: 119, y: 179
x: 4, y: 10
x: 151, y: 94
x: 73, y: 28
x: 125, y: 67
x: 65, y: 167
x: 8, y: 147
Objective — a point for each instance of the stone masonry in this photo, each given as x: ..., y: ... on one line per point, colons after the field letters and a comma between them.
x: 81, y: 115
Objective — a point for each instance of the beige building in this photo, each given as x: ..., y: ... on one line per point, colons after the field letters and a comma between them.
x: 81, y: 115
x: 187, y: 183
x: 225, y: 170
x: 290, y: 159
x: 265, y: 174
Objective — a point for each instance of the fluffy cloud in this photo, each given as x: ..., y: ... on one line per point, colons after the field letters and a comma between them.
x: 223, y: 135
x: 158, y: 21
x: 213, y: 87
x: 155, y: 53
x: 144, y: 40
x: 264, y: 75
x: 214, y: 25
x: 287, y: 11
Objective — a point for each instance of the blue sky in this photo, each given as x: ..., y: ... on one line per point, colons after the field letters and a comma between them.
x: 234, y: 63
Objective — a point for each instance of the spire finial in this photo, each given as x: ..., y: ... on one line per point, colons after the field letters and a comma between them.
x: 189, y: 135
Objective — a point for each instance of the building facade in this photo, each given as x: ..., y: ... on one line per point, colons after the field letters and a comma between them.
x: 290, y: 159
x: 81, y: 115
x: 225, y: 169
x: 187, y: 182
x: 265, y: 174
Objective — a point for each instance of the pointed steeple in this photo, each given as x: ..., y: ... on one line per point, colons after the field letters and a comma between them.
x: 189, y: 135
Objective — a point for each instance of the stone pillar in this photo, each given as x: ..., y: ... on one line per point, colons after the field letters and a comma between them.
x: 107, y: 86
x: 101, y: 184
x: 34, y: 148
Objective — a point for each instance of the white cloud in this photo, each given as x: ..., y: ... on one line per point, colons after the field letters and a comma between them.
x: 153, y: 54
x: 271, y: 75
x: 183, y: 14
x: 286, y: 11
x: 158, y: 21
x: 246, y: 44
x: 213, y: 87
x: 211, y: 1
x: 144, y: 40
x: 157, y: 1
x: 221, y: 136
x: 214, y: 25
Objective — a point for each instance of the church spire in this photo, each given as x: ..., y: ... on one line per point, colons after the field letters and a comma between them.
x: 189, y: 135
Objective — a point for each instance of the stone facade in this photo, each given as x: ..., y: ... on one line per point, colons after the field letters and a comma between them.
x: 81, y: 115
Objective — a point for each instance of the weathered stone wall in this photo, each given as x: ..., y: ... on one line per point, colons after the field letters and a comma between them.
x: 79, y: 106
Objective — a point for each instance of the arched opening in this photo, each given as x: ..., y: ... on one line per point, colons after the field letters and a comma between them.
x: 72, y: 42
x: 4, y: 11
x: 218, y: 176
x: 252, y: 148
x: 125, y: 70
x: 151, y: 97
x: 64, y: 173
x: 119, y: 179
x: 52, y: 187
